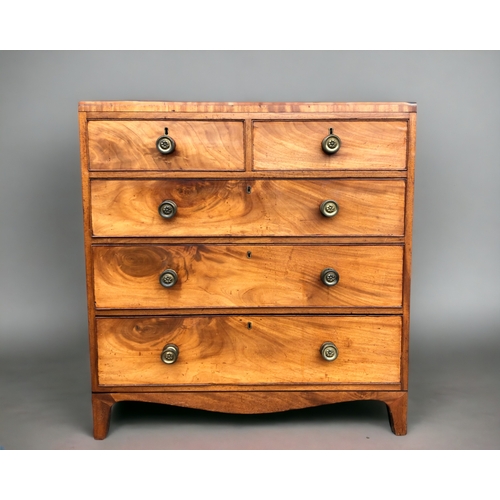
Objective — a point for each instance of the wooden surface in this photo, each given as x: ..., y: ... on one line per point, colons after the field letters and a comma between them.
x: 252, y: 403
x: 241, y: 207
x: 87, y: 235
x: 365, y: 145
x: 101, y: 412
x: 247, y: 107
x: 200, y: 145
x: 223, y: 149
x: 249, y: 350
x: 407, y: 255
x: 224, y: 276
x: 397, y: 409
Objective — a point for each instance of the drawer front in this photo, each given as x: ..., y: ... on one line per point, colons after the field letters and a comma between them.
x: 199, y: 145
x: 296, y: 145
x: 247, y: 208
x: 248, y: 350
x: 247, y: 276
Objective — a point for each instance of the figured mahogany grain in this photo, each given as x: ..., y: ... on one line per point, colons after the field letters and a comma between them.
x: 200, y: 145
x: 247, y: 276
x: 249, y: 350
x: 247, y: 207
x: 296, y: 145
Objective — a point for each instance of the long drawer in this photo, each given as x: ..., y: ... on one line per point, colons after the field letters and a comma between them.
x: 248, y: 350
x: 241, y: 207
x: 241, y: 275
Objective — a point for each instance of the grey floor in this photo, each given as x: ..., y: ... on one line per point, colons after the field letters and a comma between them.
x: 454, y: 404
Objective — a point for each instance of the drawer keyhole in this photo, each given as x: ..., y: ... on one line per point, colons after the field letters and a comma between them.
x: 249, y: 189
x: 249, y: 254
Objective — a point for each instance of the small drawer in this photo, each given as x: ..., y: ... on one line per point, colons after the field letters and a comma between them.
x: 199, y: 145
x: 297, y: 145
x: 248, y: 350
x: 229, y: 276
x: 180, y: 207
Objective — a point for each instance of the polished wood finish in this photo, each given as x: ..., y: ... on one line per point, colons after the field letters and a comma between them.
x: 249, y: 174
x: 366, y: 145
x: 398, y: 409
x: 240, y: 207
x: 101, y: 409
x: 200, y: 146
x: 186, y: 311
x: 249, y: 350
x: 223, y: 149
x: 237, y: 388
x: 213, y: 276
x: 87, y: 234
x: 255, y: 402
x: 407, y: 255
x: 248, y: 107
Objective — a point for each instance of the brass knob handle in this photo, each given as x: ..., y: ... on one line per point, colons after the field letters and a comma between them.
x: 167, y: 209
x: 329, y: 276
x: 168, y: 278
x: 170, y: 354
x: 329, y: 351
x: 165, y: 144
x: 329, y: 208
x: 331, y: 143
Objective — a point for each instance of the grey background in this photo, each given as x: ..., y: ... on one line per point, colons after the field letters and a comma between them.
x: 455, y: 322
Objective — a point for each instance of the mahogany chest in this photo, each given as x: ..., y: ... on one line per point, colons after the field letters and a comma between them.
x: 248, y: 257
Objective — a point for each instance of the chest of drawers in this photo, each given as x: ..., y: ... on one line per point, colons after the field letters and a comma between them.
x: 248, y: 257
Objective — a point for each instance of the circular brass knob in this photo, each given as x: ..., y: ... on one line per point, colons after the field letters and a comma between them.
x: 170, y: 354
x: 329, y: 276
x: 329, y: 208
x: 329, y: 351
x: 165, y: 144
x: 168, y: 278
x: 167, y: 209
x: 331, y: 143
